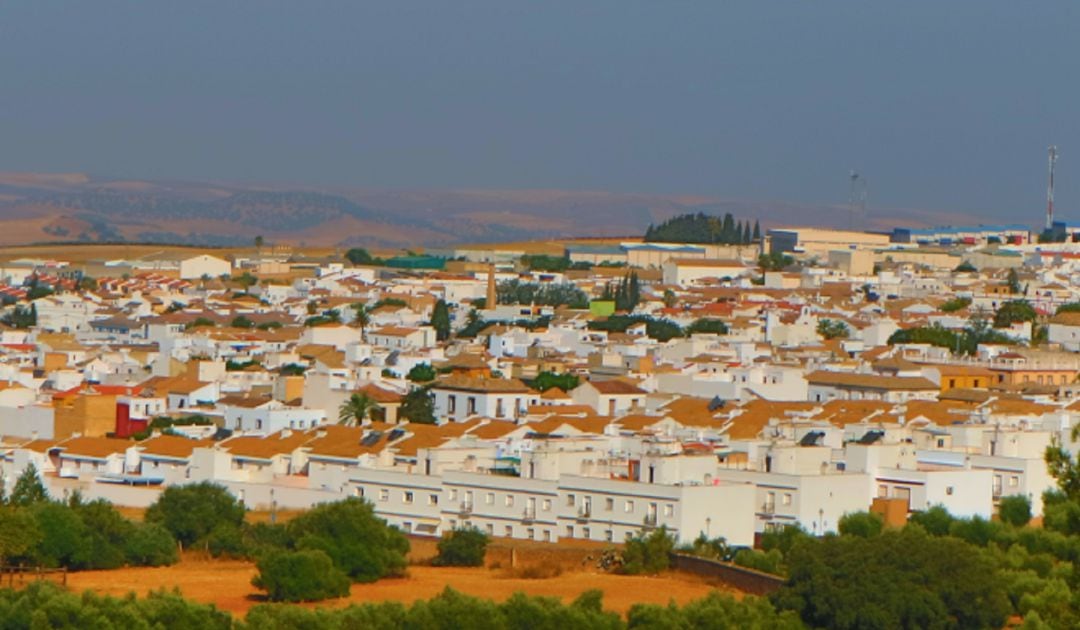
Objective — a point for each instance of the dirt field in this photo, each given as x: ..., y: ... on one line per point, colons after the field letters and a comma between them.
x: 227, y: 584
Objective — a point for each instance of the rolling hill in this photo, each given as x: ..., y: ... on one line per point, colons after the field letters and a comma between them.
x: 79, y: 208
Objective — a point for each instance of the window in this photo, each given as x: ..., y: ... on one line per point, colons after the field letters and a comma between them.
x: 453, y: 524
x: 407, y: 497
x: 585, y: 533
x: 609, y: 535
x: 452, y: 404
x: 499, y: 410
x: 570, y: 500
x: 489, y: 498
x: 547, y: 535
x: 786, y: 499
x: 609, y: 504
x: 384, y: 495
x: 358, y: 492
x: 941, y: 443
x: 949, y: 490
x: 628, y: 506
x: 569, y: 531
x: 530, y: 534
x: 1014, y: 481
x: 509, y: 531
x: 509, y: 500
x: 453, y: 494
x: 490, y: 529
x: 433, y: 499
x: 546, y: 505
x: 669, y: 509
x: 472, y: 405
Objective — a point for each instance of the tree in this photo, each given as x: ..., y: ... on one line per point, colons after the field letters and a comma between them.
x: 1015, y: 510
x: 1014, y: 311
x: 28, y: 488
x: 899, y: 579
x: 648, y: 553
x: 359, y: 256
x: 776, y: 261
x: 356, y: 409
x: 670, y: 300
x: 757, y: 232
x: 259, y: 243
x: 358, y: 542
x: 462, y: 547
x: 833, y: 329
x: 546, y: 380
x: 21, y: 317
x: 19, y: 534
x: 242, y: 322
x: 864, y: 524
x: 707, y: 325
x: 965, y: 267
x: 936, y: 520
x: 716, y: 611
x: 418, y: 406
x: 421, y: 373
x: 440, y: 320
x: 1013, y: 280
x: 362, y: 317
x: 955, y: 304
x: 747, y: 238
x: 300, y: 576
x: 192, y: 511
x: 151, y: 545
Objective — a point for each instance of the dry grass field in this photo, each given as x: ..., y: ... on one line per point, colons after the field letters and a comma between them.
x: 227, y: 585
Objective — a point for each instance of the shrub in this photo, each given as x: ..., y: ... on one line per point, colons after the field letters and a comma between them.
x: 864, y: 524
x: 1015, y: 510
x: 360, y: 543
x: 462, y: 548
x: 648, y: 553
x: 226, y: 541
x: 151, y: 545
x: 191, y: 512
x: 936, y: 520
x: 300, y: 576
x: 765, y: 561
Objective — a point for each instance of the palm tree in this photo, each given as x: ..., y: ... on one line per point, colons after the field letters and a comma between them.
x: 356, y: 409
x: 363, y: 317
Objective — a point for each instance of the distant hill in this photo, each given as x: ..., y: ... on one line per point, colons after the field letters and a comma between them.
x: 76, y: 207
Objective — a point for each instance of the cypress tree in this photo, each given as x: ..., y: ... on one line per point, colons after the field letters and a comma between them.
x: 757, y: 231
x: 746, y: 238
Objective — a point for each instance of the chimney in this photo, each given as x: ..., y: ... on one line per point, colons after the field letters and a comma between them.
x: 492, y: 296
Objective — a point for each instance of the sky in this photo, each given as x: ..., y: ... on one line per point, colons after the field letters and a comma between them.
x: 939, y: 105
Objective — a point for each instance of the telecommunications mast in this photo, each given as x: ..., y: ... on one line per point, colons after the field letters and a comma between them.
x: 1050, y: 187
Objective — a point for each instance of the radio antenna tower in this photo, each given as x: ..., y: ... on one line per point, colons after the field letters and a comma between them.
x: 856, y: 197
x: 1050, y: 187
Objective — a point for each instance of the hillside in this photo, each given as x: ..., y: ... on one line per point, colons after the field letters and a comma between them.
x: 75, y: 207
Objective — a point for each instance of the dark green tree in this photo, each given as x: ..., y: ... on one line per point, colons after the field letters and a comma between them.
x: 358, y: 542
x: 440, y: 320
x: 1014, y: 311
x: 1015, y: 510
x: 359, y: 256
x: 648, y: 552
x: 418, y: 406
x: 300, y: 576
x: 757, y: 232
x: 864, y: 524
x: 462, y: 547
x: 190, y: 512
x: 546, y: 380
x: 28, y: 488
x: 421, y: 373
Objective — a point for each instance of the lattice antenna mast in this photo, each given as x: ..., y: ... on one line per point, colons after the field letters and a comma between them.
x: 1052, y: 159
x: 856, y: 197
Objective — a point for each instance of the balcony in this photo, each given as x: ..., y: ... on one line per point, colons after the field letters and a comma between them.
x: 465, y: 509
x: 529, y: 515
x: 768, y: 508
x: 650, y: 520
x: 584, y: 514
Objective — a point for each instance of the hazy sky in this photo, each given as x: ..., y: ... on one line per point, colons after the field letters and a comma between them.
x: 941, y: 104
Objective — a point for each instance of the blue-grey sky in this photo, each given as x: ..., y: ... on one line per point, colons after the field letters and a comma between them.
x: 946, y: 105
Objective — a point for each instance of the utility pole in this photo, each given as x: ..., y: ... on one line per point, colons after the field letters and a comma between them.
x: 1050, y: 187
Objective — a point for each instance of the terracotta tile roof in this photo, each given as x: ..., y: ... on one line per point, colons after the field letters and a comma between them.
x: 755, y: 415
x: 870, y: 381
x: 486, y: 385
x: 96, y: 447
x: 616, y: 387
x: 348, y: 442
x: 255, y: 447
x: 171, y: 446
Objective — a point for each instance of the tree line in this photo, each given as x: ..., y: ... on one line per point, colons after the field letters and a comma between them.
x: 703, y: 228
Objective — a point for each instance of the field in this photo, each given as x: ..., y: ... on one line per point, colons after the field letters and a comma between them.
x: 227, y: 584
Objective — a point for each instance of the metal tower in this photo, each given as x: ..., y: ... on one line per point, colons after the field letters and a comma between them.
x: 1050, y: 187
x: 856, y: 198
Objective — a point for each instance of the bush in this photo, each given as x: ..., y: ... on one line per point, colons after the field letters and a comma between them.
x: 151, y: 545
x: 765, y: 561
x: 226, y: 541
x: 300, y: 576
x: 648, y: 553
x: 191, y: 512
x: 936, y: 521
x: 864, y: 524
x: 1015, y: 510
x: 462, y: 548
x: 360, y: 543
